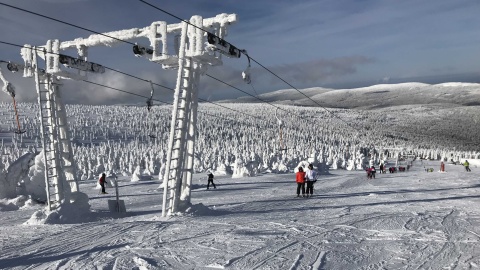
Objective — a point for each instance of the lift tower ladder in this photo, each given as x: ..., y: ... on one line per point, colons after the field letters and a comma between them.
x: 175, y: 156
x: 48, y: 128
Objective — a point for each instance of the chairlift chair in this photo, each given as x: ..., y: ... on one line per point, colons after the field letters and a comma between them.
x: 149, y: 107
x: 19, y: 129
x: 10, y: 89
x: 246, y: 73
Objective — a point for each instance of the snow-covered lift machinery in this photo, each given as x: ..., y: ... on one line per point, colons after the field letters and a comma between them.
x: 58, y: 154
x: 198, y: 43
x: 197, y: 49
x: 194, y: 50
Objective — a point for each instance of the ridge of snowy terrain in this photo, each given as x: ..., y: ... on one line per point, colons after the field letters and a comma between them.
x: 382, y: 95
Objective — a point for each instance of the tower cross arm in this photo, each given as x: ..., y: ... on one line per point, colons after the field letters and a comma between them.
x: 112, y: 38
x: 106, y: 39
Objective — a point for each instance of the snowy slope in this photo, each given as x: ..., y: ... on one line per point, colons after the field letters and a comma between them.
x: 383, y: 95
x: 411, y: 220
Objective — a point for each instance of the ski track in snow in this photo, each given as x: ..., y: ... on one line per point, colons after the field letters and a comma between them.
x: 411, y: 220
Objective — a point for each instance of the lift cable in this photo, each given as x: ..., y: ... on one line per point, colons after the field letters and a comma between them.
x: 105, y: 35
x: 145, y: 80
x: 249, y: 58
x: 64, y: 22
x: 164, y: 102
x: 164, y: 11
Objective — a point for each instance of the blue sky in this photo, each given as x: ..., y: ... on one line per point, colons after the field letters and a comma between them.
x: 329, y: 43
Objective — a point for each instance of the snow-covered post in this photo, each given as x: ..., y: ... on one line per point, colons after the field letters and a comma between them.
x: 65, y: 145
x: 172, y: 176
x: 194, y: 54
x: 116, y: 191
x: 192, y: 127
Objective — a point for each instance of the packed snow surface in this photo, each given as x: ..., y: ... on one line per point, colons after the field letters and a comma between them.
x: 404, y: 220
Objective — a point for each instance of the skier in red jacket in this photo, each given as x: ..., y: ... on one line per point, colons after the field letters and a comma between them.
x: 300, y: 178
x: 102, y: 182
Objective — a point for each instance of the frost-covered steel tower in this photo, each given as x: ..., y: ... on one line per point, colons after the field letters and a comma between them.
x: 60, y: 172
x: 197, y: 49
x: 197, y: 44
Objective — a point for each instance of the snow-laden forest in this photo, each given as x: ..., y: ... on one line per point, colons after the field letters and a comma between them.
x: 417, y: 219
x: 117, y: 139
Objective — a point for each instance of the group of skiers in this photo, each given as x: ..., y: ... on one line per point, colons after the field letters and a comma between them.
x: 309, y: 178
x: 304, y: 179
x: 466, y: 164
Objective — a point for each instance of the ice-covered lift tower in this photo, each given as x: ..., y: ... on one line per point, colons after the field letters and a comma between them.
x: 193, y: 50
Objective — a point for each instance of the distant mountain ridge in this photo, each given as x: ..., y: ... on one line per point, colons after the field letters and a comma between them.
x: 376, y: 96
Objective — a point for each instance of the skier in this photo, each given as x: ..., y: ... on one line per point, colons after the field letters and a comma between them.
x: 467, y: 166
x: 300, y: 178
x: 311, y: 177
x: 102, y: 182
x: 369, y: 172
x: 381, y: 167
x: 210, y: 180
x: 372, y: 172
x: 442, y: 167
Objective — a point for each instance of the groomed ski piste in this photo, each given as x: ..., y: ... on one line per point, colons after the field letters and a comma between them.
x: 404, y: 220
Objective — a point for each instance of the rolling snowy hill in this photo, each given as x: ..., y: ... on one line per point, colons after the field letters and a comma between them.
x: 377, y: 96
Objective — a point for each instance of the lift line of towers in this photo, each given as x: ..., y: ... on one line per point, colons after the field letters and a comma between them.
x: 198, y: 43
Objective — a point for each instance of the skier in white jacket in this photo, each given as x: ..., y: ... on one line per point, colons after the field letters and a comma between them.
x: 311, y: 177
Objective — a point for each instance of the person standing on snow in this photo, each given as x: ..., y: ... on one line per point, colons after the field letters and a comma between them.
x: 467, y: 166
x: 369, y: 172
x: 210, y: 180
x: 102, y: 182
x: 311, y: 177
x: 372, y: 172
x: 300, y: 178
